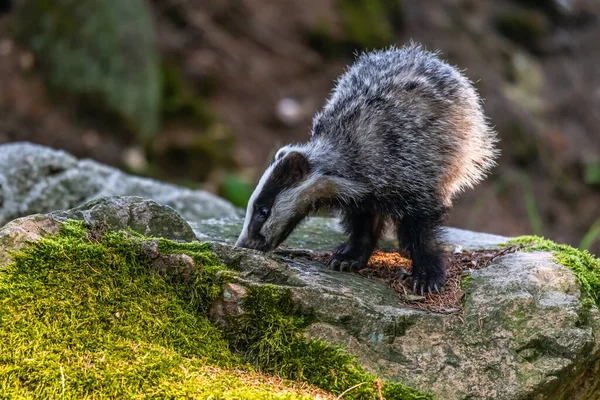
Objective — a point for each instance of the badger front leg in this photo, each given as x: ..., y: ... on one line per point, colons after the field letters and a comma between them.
x: 418, y: 237
x: 364, y: 230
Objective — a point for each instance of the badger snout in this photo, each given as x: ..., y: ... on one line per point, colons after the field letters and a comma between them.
x: 252, y: 243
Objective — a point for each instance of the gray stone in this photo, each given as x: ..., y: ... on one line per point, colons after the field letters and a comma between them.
x: 36, y: 179
x: 18, y: 233
x: 141, y: 215
x: 523, y: 333
x: 469, y: 240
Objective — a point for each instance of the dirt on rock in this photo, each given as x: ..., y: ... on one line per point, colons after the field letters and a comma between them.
x: 392, y: 268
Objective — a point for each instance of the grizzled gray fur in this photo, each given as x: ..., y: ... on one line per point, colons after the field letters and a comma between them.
x: 401, y: 135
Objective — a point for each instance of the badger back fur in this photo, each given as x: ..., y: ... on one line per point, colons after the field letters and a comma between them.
x: 402, y: 133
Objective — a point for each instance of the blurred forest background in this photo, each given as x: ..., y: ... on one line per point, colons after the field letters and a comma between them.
x: 201, y: 92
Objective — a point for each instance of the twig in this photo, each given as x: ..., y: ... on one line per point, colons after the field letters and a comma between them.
x: 511, y: 249
x: 378, y: 386
x: 349, y: 389
x: 62, y: 380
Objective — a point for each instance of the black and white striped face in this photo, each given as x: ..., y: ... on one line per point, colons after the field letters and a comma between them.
x: 279, y: 202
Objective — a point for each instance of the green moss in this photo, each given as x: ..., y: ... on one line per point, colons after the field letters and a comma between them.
x: 81, y: 315
x: 585, y: 266
x: 465, y: 282
x: 84, y: 314
x: 270, y: 336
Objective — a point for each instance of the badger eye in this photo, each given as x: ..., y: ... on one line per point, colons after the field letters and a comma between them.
x: 263, y: 212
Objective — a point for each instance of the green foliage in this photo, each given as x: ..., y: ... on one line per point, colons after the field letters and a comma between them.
x: 82, y: 316
x: 590, y: 236
x: 236, y: 189
x: 585, y: 266
x: 591, y: 174
x: 370, y: 24
x: 269, y: 335
x: 181, y: 101
x: 102, y: 51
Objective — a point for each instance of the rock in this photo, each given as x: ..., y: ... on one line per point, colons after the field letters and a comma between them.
x: 524, y: 331
x: 140, y: 215
x: 136, y: 213
x: 323, y: 234
x: 229, y: 305
x: 38, y: 179
x: 16, y: 234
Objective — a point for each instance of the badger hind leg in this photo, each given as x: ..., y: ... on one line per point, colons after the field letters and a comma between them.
x: 418, y: 236
x: 365, y: 230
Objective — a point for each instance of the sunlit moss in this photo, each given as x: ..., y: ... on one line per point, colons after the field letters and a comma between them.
x: 87, y: 313
x: 83, y: 316
x: 269, y: 335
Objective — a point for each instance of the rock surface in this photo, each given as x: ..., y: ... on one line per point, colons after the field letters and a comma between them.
x: 141, y: 215
x: 524, y: 331
x: 37, y: 179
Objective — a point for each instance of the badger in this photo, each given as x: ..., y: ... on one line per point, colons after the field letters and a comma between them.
x: 402, y: 133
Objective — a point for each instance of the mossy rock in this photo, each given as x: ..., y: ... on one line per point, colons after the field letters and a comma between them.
x: 91, y: 307
x: 85, y: 316
x: 143, y: 216
x: 527, y: 329
x: 101, y: 51
x: 97, y: 312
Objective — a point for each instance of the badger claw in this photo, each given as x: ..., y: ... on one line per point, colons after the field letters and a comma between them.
x: 419, y: 285
x: 337, y: 263
x: 334, y: 264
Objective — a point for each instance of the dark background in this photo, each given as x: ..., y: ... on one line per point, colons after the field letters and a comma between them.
x: 201, y: 92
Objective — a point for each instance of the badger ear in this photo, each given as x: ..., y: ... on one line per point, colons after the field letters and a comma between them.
x: 296, y: 165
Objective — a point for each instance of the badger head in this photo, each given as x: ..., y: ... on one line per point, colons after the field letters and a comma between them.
x: 283, y: 197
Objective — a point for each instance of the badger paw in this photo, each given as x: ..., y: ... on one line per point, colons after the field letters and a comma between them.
x: 422, y: 283
x: 348, y: 258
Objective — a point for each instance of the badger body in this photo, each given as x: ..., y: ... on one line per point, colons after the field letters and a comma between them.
x: 402, y: 133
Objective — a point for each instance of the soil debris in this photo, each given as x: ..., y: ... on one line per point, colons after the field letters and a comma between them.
x: 384, y: 266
